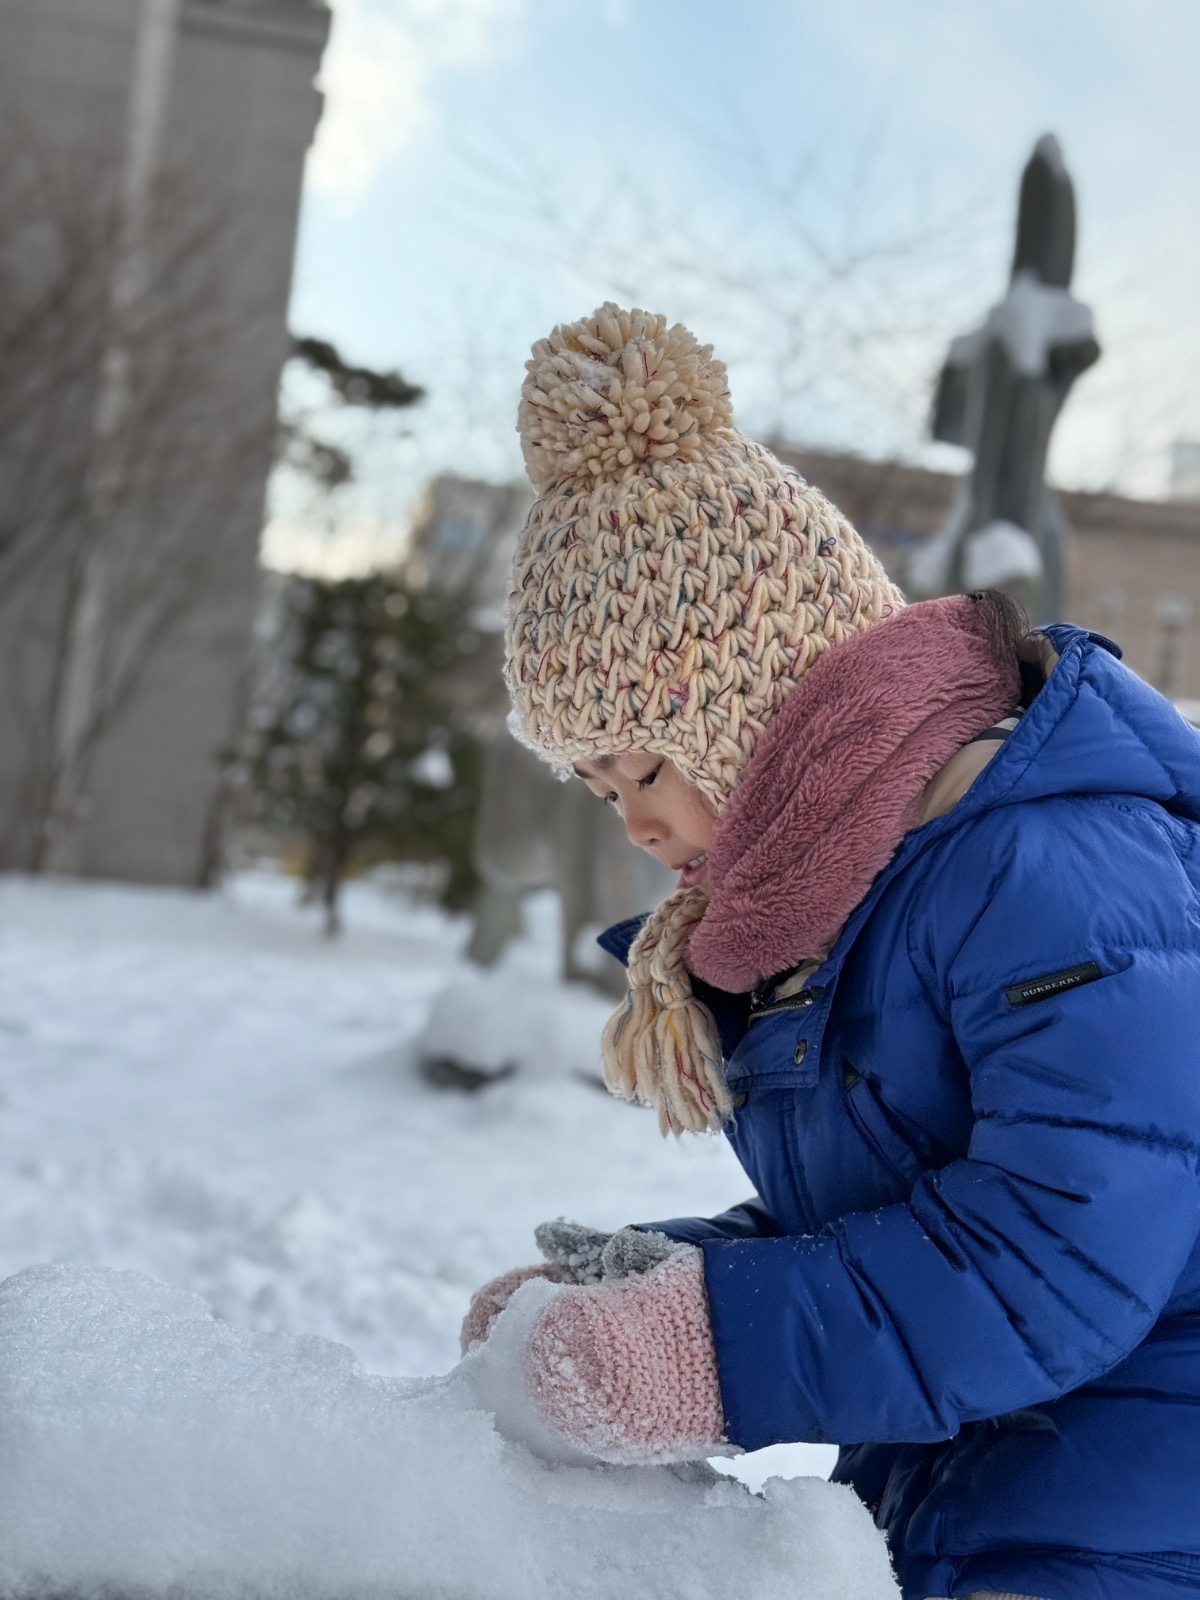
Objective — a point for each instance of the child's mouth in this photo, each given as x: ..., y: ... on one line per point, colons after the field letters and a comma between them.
x: 693, y: 871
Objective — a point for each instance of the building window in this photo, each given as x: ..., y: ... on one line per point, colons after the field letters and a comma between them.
x: 1106, y: 610
x: 1185, y: 470
x: 1172, y: 623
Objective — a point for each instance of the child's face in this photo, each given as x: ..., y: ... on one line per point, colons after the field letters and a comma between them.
x: 663, y: 813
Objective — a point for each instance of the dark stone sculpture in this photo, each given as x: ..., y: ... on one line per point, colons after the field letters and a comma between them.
x: 1001, y: 388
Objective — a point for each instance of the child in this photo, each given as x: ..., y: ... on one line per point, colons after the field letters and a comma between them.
x: 933, y: 966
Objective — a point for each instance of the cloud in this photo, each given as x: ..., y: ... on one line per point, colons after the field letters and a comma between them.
x: 382, y: 58
x: 362, y: 542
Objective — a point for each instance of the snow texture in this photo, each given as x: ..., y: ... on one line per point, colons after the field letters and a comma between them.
x: 993, y: 556
x: 1032, y: 321
x: 999, y: 554
x: 929, y: 566
x: 148, y: 1447
x: 202, y: 1090
x: 501, y: 1020
x: 588, y: 1255
x: 574, y: 1248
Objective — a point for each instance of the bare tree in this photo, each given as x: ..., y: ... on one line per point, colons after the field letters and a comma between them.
x: 829, y: 297
x: 132, y: 451
x: 821, y: 313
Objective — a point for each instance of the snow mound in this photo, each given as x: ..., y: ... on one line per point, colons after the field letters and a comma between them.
x: 146, y: 1447
x: 515, y: 1019
x: 999, y: 554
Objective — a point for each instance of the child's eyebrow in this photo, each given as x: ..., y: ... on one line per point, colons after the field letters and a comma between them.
x: 603, y: 762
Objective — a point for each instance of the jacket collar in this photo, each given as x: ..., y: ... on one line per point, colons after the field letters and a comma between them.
x: 951, y: 782
x: 839, y: 778
x: 955, y: 790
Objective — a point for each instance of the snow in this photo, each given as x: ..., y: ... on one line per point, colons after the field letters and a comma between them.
x: 201, y: 1097
x: 993, y: 556
x: 434, y: 767
x: 147, y: 1446
x: 999, y: 554
x: 510, y: 1017
x: 1036, y: 318
x: 929, y: 565
x: 1032, y: 321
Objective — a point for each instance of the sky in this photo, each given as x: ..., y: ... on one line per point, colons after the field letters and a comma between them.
x: 824, y: 189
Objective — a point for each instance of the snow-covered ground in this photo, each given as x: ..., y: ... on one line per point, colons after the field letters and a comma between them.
x: 205, y: 1091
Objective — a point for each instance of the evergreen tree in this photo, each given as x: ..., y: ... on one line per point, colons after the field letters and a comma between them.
x: 359, y: 748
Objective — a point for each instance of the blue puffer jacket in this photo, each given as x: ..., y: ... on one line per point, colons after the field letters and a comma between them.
x: 974, y: 1135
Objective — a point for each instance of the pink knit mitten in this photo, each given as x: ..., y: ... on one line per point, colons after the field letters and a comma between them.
x: 487, y: 1303
x: 628, y: 1369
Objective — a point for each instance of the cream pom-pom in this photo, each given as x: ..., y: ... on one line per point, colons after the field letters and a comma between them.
x: 616, y: 388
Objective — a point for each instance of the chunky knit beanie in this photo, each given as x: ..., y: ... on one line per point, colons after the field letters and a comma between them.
x: 673, y: 583
x: 674, y: 579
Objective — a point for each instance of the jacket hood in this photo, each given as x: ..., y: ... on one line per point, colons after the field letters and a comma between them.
x: 1094, y: 728
x: 838, y: 779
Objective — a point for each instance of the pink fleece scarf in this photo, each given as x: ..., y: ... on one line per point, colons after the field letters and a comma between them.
x: 837, y: 781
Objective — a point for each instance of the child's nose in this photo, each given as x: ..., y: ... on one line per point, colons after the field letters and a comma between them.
x: 644, y: 829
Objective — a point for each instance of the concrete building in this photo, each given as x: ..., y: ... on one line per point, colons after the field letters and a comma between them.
x: 463, y: 538
x: 152, y: 153
x: 1185, y: 470
x: 1133, y: 571
x: 464, y: 535
x: 1133, y: 568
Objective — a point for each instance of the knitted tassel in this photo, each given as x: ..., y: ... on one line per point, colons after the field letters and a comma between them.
x: 661, y: 1047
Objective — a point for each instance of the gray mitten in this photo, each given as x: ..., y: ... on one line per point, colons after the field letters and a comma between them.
x: 587, y: 1255
x: 572, y: 1248
x: 633, y: 1251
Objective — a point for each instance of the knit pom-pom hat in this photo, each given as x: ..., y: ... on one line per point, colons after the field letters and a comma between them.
x: 674, y: 579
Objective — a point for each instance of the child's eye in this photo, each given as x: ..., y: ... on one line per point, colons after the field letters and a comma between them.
x: 610, y: 798
x: 644, y: 783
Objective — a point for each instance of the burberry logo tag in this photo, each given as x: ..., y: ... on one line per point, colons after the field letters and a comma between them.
x: 1024, y: 994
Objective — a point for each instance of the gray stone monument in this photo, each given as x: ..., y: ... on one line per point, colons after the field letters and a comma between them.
x: 1001, y: 388
x: 535, y: 832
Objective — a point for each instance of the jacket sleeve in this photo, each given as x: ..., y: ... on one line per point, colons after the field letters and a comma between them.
x: 1043, y: 1258
x: 750, y: 1220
